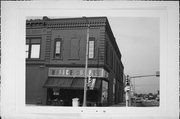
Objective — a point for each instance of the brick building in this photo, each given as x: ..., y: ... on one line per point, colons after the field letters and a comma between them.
x: 55, y: 61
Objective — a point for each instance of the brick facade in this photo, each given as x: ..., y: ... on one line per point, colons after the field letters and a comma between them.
x: 72, y: 33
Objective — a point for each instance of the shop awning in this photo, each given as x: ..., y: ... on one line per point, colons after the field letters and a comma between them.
x: 79, y: 84
x: 58, y: 83
x: 69, y: 83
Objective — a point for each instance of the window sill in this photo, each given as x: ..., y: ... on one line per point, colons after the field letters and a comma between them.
x: 73, y: 58
x: 92, y: 58
x: 57, y: 58
x: 30, y: 59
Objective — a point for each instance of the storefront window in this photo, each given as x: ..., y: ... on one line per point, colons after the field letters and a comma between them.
x: 104, y: 98
x: 55, y: 91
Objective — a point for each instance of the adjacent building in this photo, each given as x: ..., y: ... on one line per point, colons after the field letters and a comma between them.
x: 55, y: 62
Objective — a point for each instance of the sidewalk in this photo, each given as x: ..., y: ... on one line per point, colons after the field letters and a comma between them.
x: 123, y: 104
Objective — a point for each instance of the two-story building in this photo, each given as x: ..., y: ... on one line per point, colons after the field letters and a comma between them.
x: 55, y: 62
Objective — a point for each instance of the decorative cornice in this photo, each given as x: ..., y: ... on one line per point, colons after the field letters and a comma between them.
x: 66, y: 23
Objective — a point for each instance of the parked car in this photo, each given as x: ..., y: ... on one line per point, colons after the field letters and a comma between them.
x: 138, y: 100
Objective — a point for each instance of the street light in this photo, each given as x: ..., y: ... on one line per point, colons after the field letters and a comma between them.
x: 86, y: 63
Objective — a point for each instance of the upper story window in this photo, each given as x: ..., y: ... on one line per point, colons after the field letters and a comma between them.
x: 107, y: 52
x: 74, y: 48
x: 111, y: 58
x: 33, y: 48
x: 57, y: 50
x: 91, y: 47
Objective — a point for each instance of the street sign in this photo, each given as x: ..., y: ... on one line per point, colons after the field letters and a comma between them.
x: 127, y: 88
x: 91, y: 83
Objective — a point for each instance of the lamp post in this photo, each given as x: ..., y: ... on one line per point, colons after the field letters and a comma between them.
x: 86, y: 63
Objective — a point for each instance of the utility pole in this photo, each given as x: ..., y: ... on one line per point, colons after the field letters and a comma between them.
x: 86, y: 63
x: 142, y: 76
x: 127, y: 90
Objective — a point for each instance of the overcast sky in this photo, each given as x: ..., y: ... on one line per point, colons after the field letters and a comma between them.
x: 138, y: 40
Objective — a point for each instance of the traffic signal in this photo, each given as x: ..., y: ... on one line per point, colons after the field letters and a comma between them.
x: 127, y: 81
x: 91, y: 82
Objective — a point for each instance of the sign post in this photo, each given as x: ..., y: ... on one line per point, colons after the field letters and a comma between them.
x: 127, y: 89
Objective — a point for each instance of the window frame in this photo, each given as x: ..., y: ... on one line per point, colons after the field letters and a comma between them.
x: 107, y: 52
x: 91, y: 39
x: 54, y: 53
x: 32, y: 48
x: 30, y: 43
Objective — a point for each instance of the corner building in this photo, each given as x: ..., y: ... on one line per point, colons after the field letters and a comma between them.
x: 55, y: 62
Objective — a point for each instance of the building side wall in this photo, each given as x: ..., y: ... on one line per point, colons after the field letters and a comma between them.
x: 110, y: 91
x: 114, y: 65
x: 36, y: 75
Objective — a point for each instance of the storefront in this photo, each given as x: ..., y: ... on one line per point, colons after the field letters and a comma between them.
x: 64, y: 84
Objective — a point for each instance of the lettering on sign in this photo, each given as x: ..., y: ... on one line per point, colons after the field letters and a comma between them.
x: 77, y: 72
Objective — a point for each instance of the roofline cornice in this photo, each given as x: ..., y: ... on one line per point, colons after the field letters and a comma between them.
x: 67, y: 22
